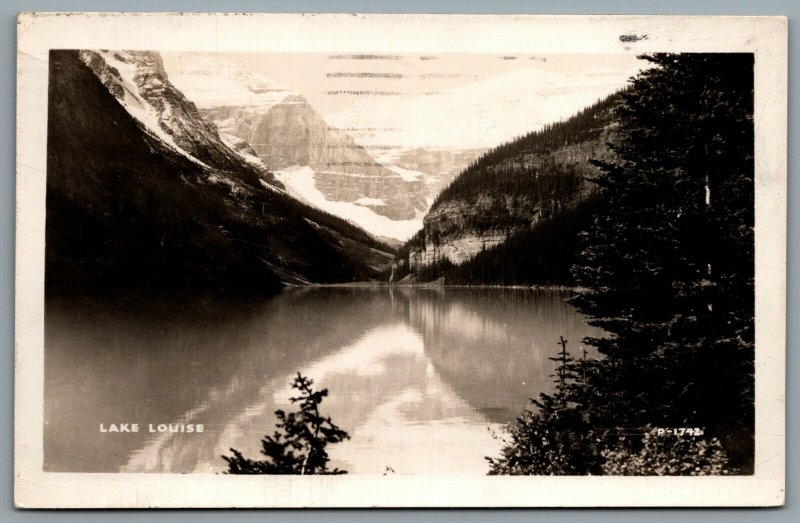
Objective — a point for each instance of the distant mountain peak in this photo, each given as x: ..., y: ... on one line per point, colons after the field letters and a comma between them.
x: 139, y: 82
x: 324, y: 166
x: 211, y: 81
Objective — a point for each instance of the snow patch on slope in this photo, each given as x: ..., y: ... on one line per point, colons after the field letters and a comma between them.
x: 369, y: 201
x: 408, y: 175
x: 299, y: 182
x: 212, y: 81
x: 273, y: 188
x: 134, y: 102
x: 241, y: 148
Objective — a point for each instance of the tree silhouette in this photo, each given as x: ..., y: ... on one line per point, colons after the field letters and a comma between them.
x: 668, y: 271
x: 554, y: 437
x: 298, y: 446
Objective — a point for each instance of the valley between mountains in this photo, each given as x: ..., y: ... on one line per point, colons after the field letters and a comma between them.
x: 225, y: 179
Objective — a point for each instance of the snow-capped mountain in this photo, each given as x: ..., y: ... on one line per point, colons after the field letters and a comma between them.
x: 138, y: 81
x: 317, y: 163
x: 162, y: 199
x: 480, y: 114
x: 211, y: 81
x: 292, y: 135
x: 369, y: 158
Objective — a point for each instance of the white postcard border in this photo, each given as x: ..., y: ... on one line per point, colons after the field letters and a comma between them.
x: 38, y: 33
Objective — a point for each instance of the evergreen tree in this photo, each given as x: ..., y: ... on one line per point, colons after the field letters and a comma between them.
x: 668, y: 270
x: 298, y: 446
x: 554, y: 438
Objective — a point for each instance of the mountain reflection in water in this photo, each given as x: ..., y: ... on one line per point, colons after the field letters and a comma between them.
x: 419, y: 378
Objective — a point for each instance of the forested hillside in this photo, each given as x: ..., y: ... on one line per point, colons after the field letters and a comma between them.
x: 547, y: 155
x: 513, y: 216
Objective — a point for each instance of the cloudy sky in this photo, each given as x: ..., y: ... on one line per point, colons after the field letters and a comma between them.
x: 454, y: 101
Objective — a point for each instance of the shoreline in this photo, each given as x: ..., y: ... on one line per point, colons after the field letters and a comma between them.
x: 434, y: 285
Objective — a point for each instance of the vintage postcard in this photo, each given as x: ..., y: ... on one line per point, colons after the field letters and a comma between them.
x: 287, y: 260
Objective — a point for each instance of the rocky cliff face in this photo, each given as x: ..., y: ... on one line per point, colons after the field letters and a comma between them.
x: 512, y: 189
x: 142, y: 192
x: 458, y: 229
x: 291, y: 134
x: 138, y: 81
x: 447, y: 234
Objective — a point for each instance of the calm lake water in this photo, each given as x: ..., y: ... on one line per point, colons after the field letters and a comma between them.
x: 424, y: 380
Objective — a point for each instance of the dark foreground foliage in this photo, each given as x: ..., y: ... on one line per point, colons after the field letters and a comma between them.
x: 557, y: 437
x: 298, y: 446
x: 553, y: 438
x: 668, y: 272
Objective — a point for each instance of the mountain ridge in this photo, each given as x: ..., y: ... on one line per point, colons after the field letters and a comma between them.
x: 345, y: 179
x: 127, y: 208
x: 513, y: 191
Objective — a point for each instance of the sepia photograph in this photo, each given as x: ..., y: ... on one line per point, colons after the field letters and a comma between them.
x: 386, y: 263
